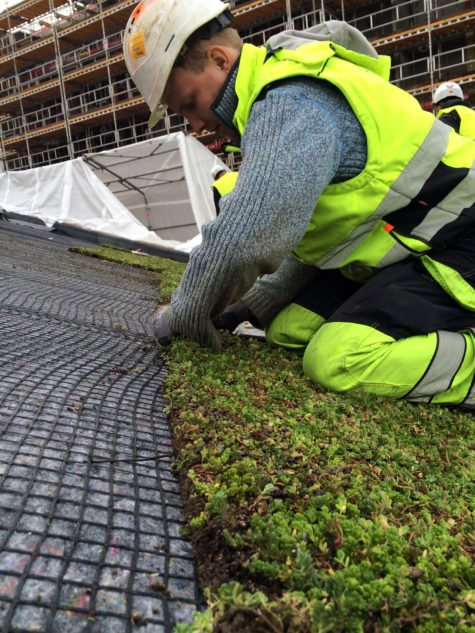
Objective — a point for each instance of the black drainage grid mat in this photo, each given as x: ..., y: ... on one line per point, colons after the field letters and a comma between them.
x: 90, y: 513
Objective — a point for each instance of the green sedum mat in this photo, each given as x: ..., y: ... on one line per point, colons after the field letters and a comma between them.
x: 334, y: 513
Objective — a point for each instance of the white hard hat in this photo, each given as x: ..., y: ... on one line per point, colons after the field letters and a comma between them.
x: 446, y: 90
x: 216, y: 169
x: 154, y: 38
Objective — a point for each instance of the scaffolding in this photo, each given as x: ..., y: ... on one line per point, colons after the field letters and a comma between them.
x: 65, y: 90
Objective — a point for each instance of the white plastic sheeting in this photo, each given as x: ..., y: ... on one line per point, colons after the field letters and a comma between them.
x: 165, y: 182
x: 111, y: 193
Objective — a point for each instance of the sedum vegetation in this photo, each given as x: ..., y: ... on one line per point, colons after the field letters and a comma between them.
x: 315, y: 512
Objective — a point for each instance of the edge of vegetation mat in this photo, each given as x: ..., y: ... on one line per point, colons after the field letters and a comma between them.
x: 311, y: 511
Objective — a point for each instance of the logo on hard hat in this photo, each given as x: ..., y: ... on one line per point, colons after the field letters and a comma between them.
x: 137, y: 46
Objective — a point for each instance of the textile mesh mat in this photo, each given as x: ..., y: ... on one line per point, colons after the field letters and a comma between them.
x: 90, y: 512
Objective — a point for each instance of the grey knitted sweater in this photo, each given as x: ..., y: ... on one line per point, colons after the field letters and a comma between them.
x: 300, y: 137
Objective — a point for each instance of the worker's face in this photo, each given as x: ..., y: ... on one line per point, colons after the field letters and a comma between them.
x: 191, y: 94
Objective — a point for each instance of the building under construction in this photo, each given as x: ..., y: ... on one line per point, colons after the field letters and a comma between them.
x: 65, y: 90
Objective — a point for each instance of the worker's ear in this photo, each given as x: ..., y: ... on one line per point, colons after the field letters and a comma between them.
x: 222, y: 56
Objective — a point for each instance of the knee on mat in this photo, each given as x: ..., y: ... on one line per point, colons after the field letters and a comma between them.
x: 338, y: 355
x: 323, y: 360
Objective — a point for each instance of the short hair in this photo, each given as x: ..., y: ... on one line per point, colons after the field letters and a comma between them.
x: 450, y: 101
x: 195, y: 56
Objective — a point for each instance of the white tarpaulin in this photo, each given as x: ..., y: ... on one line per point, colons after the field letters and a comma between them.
x: 163, y: 184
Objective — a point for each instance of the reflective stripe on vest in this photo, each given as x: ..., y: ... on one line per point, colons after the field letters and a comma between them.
x: 381, y: 248
x: 445, y: 363
x: 396, y: 209
x: 469, y: 400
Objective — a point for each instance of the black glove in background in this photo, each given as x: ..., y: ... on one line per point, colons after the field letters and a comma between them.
x: 233, y: 315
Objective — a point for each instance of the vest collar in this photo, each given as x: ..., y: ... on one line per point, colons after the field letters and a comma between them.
x: 225, y: 104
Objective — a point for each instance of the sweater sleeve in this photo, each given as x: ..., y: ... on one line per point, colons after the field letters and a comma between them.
x: 271, y: 293
x: 291, y: 149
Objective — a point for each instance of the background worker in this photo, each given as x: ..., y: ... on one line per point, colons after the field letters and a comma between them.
x: 217, y: 171
x: 451, y: 108
x: 224, y: 182
x: 350, y: 199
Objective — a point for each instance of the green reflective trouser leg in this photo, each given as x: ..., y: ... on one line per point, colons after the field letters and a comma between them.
x: 400, y: 334
x: 436, y: 367
x: 294, y: 326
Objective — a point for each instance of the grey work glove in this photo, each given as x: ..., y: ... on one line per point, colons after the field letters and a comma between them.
x: 233, y: 315
x: 164, y: 333
x: 161, y: 330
